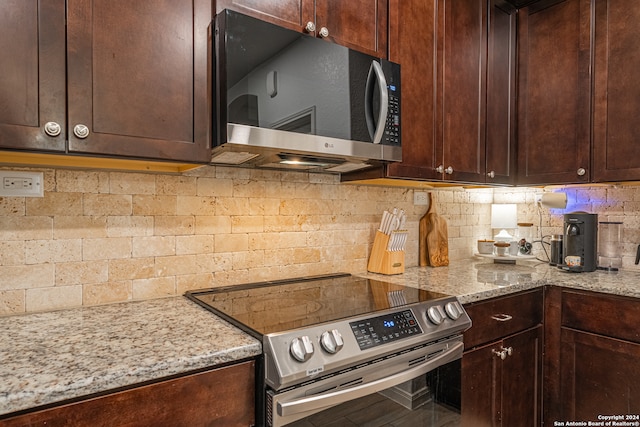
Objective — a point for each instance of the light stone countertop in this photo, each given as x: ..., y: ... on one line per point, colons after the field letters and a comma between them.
x: 51, y: 357
x: 54, y: 356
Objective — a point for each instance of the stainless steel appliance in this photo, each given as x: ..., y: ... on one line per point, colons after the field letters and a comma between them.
x: 289, y: 100
x: 341, y: 348
x: 580, y: 242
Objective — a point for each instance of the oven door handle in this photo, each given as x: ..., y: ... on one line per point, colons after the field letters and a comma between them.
x: 320, y: 401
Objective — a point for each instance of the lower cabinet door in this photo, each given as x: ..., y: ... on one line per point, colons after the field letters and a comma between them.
x: 522, y: 379
x: 599, y: 376
x: 501, y: 382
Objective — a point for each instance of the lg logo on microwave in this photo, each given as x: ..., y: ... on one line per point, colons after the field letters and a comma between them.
x: 328, y: 145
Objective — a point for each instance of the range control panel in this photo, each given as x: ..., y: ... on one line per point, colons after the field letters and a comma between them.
x: 380, y: 330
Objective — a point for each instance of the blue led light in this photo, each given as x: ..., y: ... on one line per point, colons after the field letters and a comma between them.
x: 389, y: 323
x: 392, y: 87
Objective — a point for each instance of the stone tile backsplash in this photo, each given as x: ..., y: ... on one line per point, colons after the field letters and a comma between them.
x: 99, y: 236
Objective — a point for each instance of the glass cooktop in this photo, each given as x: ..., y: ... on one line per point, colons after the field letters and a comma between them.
x: 268, y: 307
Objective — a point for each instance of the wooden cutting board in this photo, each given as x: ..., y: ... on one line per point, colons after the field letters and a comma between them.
x: 434, y: 238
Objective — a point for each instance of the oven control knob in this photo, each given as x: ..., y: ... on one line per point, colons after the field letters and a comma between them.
x: 453, y: 309
x: 331, y: 341
x: 301, y: 348
x: 435, y: 314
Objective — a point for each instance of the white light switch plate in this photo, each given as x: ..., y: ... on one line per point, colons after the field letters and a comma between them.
x: 420, y: 198
x: 21, y: 184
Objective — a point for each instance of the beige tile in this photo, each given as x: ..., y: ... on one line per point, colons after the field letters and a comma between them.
x: 306, y: 255
x: 212, y: 263
x: 192, y: 205
x: 176, y: 184
x: 218, y: 187
x: 26, y: 276
x: 80, y: 273
x: 74, y: 181
x: 55, y: 204
x: 174, y: 225
x: 213, y: 225
x: 292, y: 239
x: 189, y: 282
x: 249, y: 259
x: 107, y: 204
x: 46, y: 251
x: 104, y: 293
x: 186, y: 245
x: 154, y: 205
x: 154, y: 288
x: 15, y: 206
x: 263, y: 206
x: 247, y: 224
x: 12, y: 252
x: 12, y: 302
x: 45, y: 299
x: 79, y: 227
x: 231, y: 242
x: 232, y: 206
x: 131, y: 268
x: 132, y: 183
x: 107, y: 248
x: 126, y: 226
x: 248, y: 188
x: 175, y: 265
x: 153, y: 246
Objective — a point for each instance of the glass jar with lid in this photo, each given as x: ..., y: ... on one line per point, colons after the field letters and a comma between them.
x: 525, y: 237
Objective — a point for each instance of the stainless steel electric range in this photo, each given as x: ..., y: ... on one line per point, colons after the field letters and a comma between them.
x: 340, y: 349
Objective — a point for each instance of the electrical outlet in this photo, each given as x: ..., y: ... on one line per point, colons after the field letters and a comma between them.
x: 21, y: 184
x: 420, y: 198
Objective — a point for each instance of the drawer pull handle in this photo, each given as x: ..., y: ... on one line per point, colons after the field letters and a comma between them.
x: 501, y: 317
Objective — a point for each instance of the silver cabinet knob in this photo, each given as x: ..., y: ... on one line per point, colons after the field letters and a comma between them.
x: 52, y: 128
x: 508, y: 350
x: 81, y: 131
x: 581, y: 171
x: 301, y: 348
x: 448, y: 170
x: 491, y: 174
x: 440, y: 169
x: 310, y: 27
x: 500, y: 353
x: 324, y: 32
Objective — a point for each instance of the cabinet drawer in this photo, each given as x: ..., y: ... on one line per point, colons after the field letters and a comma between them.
x: 604, y: 314
x: 499, y: 317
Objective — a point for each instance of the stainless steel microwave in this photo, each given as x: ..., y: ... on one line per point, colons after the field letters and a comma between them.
x: 284, y: 99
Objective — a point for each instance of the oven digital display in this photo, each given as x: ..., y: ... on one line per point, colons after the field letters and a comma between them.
x: 380, y: 330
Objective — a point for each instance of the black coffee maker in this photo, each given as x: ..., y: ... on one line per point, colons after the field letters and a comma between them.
x: 580, y: 242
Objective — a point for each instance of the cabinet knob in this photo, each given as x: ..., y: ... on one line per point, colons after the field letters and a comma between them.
x: 491, y: 174
x: 81, y: 131
x: 52, y: 128
x: 448, y: 170
x: 324, y: 32
x: 581, y: 171
x: 500, y: 353
x: 310, y: 27
x: 508, y: 350
x: 440, y: 169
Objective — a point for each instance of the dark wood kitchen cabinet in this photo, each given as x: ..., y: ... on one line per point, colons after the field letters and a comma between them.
x: 357, y: 24
x: 457, y: 63
x: 28, y: 98
x: 554, y: 88
x: 593, y: 347
x: 616, y: 91
x: 136, y: 78
x: 221, y: 397
x: 502, y: 362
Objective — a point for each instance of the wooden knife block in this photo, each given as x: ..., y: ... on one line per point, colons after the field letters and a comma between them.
x: 383, y: 261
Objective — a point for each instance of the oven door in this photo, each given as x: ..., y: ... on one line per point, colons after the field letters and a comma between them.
x: 419, y: 386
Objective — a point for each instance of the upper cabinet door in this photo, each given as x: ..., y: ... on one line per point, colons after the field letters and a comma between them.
x: 616, y: 124
x: 461, y: 98
x: 357, y: 24
x: 554, y: 93
x: 138, y: 78
x: 32, y: 70
x: 501, y: 94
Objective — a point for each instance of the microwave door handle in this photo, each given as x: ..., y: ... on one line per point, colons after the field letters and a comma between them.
x: 375, y: 71
x: 321, y: 401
